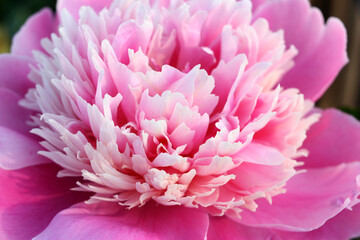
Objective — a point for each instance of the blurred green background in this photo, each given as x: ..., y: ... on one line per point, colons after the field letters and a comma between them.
x: 13, y: 14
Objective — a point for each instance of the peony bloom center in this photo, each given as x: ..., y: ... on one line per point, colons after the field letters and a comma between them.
x: 180, y: 105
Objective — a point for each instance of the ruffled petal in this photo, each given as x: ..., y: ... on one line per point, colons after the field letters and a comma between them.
x: 311, y: 199
x: 109, y: 221
x: 14, y: 71
x: 37, y: 27
x: 322, y: 48
x: 30, y: 197
x: 73, y: 6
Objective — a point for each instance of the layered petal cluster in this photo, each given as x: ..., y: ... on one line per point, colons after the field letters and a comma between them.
x: 146, y: 102
x: 177, y: 112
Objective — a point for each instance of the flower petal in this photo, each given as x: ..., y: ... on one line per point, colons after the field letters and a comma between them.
x: 229, y: 229
x: 319, y: 193
x: 73, y: 6
x: 13, y: 116
x: 346, y: 225
x: 105, y: 221
x: 18, y: 150
x: 14, y: 71
x: 333, y: 140
x: 261, y: 154
x: 257, y: 3
x: 14, y: 132
x: 315, y: 66
x: 37, y: 27
x: 30, y: 198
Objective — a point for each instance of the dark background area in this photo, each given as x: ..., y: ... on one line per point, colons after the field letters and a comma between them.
x: 13, y: 14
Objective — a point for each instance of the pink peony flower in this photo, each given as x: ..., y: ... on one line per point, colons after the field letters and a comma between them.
x: 174, y: 119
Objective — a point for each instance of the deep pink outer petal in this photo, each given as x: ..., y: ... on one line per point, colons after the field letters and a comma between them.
x: 18, y: 150
x: 223, y: 228
x: 12, y: 115
x: 30, y: 197
x: 344, y: 226
x: 14, y: 132
x: 73, y: 6
x: 311, y: 199
x: 332, y: 140
x: 38, y: 26
x: 14, y: 71
x: 105, y: 221
x: 322, y: 48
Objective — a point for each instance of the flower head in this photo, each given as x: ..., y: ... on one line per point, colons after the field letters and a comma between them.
x: 156, y: 107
